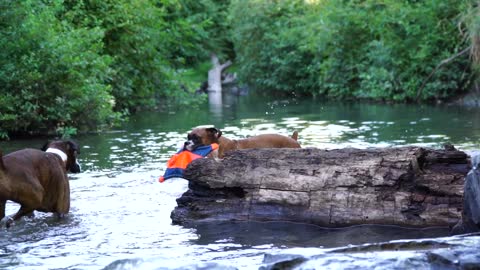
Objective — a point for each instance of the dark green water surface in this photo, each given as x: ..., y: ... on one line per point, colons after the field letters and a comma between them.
x: 120, y: 216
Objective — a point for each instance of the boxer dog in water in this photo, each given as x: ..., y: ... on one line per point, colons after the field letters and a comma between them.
x: 206, y: 136
x: 37, y: 180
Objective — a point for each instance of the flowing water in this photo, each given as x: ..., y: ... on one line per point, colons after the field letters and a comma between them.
x: 120, y: 214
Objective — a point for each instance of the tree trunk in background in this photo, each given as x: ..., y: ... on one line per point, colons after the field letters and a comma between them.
x: 215, y: 74
x: 408, y: 186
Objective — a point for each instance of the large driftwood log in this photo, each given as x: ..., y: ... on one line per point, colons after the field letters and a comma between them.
x: 408, y: 186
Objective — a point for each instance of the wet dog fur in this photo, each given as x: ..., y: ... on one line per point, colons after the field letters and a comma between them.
x: 37, y: 179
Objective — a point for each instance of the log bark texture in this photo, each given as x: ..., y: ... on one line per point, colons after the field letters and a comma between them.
x: 408, y: 186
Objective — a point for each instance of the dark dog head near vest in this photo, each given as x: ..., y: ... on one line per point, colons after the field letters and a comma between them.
x: 37, y: 180
x: 201, y: 136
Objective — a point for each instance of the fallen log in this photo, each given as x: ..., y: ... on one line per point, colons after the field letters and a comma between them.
x: 408, y: 186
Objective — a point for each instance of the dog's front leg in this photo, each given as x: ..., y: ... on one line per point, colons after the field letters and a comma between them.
x: 2, y: 208
x: 21, y: 212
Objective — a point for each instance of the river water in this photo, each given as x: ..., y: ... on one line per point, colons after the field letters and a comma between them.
x: 120, y: 214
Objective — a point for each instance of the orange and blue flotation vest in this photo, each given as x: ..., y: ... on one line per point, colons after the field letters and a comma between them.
x: 177, y: 164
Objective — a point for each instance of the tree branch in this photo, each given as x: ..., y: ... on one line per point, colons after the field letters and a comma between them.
x: 443, y: 62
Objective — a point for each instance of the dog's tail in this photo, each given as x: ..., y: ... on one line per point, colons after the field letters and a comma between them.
x: 295, y: 135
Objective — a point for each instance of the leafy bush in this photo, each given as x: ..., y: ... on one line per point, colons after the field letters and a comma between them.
x: 82, y: 64
x: 69, y: 65
x: 265, y: 35
x: 52, y: 75
x: 150, y: 43
x: 352, y: 49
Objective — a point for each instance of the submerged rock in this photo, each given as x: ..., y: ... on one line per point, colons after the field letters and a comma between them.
x: 441, y: 253
x: 162, y: 264
x: 470, y: 221
x: 409, y: 186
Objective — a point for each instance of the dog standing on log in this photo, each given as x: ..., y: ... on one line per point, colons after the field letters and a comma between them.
x: 206, y: 136
x: 37, y: 180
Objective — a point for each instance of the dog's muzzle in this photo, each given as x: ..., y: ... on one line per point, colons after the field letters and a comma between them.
x: 189, y: 145
x: 76, y: 168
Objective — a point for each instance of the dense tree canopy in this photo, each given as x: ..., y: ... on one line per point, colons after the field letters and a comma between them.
x: 84, y: 64
x: 352, y: 49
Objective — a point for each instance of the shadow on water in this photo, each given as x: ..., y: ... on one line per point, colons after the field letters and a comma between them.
x: 287, y: 234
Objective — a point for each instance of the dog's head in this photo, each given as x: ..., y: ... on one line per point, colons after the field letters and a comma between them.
x: 70, y: 151
x: 202, y: 136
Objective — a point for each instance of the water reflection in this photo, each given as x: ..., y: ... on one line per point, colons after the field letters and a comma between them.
x: 215, y: 103
x: 287, y: 234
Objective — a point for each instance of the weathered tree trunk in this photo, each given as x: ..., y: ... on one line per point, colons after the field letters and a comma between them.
x: 408, y: 186
x: 215, y: 74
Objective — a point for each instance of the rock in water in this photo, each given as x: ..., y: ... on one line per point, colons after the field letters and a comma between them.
x: 470, y: 221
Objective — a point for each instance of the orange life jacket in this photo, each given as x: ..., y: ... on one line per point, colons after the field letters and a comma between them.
x: 177, y: 164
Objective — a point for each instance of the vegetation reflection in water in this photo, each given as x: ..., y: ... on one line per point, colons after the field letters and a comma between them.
x: 120, y: 214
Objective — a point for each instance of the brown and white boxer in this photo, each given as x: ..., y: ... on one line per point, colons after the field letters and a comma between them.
x: 37, y: 180
x: 206, y: 136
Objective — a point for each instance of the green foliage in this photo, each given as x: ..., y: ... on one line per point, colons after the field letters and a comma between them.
x: 471, y: 21
x: 66, y: 132
x: 85, y: 64
x: 139, y: 40
x: 196, y: 74
x: 268, y: 56
x: 372, y: 49
x: 151, y: 42
x: 202, y: 28
x: 77, y: 65
x: 51, y: 74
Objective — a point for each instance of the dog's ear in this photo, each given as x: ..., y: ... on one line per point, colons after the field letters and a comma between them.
x: 45, y: 146
x: 215, y: 132
x: 72, y: 145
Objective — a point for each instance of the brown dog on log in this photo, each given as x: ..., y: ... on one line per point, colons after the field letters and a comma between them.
x: 206, y: 136
x: 37, y: 180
